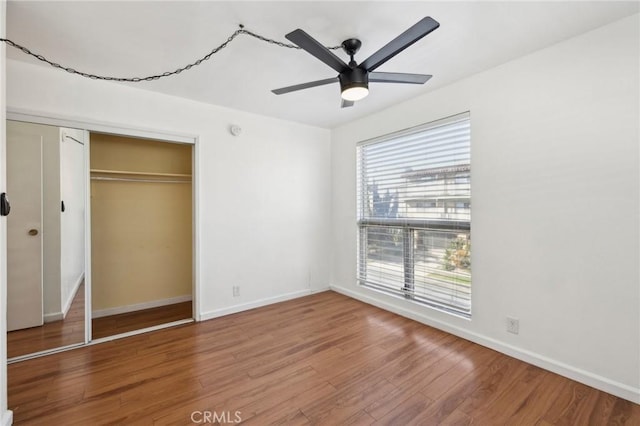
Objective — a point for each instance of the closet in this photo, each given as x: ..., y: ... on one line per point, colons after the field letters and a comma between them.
x: 141, y: 233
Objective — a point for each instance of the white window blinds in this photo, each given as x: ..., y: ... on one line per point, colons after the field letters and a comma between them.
x: 414, y: 214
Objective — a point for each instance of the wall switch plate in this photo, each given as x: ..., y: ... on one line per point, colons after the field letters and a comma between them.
x: 513, y: 325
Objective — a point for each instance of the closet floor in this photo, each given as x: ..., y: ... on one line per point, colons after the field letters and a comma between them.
x: 123, y: 323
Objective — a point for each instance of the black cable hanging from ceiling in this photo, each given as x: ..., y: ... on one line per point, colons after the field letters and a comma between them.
x: 187, y: 67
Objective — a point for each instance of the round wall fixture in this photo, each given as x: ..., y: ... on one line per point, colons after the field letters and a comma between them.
x: 235, y: 130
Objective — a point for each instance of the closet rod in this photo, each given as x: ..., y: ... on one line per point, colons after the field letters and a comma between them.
x: 113, y: 179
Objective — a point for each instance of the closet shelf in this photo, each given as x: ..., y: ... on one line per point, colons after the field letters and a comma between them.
x: 124, y: 172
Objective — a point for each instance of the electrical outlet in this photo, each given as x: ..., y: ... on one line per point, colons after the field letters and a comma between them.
x: 513, y: 325
x: 236, y: 291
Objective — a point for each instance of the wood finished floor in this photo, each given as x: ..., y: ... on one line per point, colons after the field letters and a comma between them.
x: 321, y: 359
x: 50, y: 335
x: 71, y: 330
x: 122, y: 323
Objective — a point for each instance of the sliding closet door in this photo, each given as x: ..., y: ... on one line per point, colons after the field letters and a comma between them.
x: 141, y: 232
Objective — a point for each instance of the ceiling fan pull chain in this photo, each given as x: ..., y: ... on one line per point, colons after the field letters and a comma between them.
x: 276, y: 42
x: 187, y: 67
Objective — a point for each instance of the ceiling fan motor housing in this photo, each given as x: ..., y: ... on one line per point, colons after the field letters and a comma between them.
x: 354, y: 77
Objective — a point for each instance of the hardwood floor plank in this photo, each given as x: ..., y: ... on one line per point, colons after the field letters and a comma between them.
x: 513, y: 399
x: 361, y: 418
x: 324, y: 359
x: 297, y: 419
x: 301, y: 390
x: 383, y: 406
x: 270, y: 386
x: 155, y: 391
x: 504, y: 373
x: 407, y: 411
x: 279, y: 412
x: 468, y: 361
x: 298, y: 352
x: 346, y: 403
x: 458, y: 418
x: 566, y: 401
x: 70, y: 413
x: 446, y: 406
x: 412, y: 372
x: 539, y: 404
x: 602, y: 408
x: 35, y: 409
x: 372, y: 362
x: 624, y: 412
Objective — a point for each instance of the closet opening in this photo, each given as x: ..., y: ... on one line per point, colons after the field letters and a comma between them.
x: 141, y: 199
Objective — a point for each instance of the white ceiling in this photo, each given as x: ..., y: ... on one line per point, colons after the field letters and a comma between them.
x: 145, y: 38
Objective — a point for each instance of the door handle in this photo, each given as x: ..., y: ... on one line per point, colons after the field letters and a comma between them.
x: 5, y: 207
x: 33, y: 232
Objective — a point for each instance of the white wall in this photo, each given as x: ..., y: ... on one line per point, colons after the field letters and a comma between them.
x: 263, y: 197
x: 72, y: 182
x: 5, y: 415
x: 555, y: 205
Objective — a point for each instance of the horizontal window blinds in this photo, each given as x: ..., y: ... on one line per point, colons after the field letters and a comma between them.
x: 414, y: 214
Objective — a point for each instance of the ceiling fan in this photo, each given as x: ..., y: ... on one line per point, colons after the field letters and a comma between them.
x: 354, y: 78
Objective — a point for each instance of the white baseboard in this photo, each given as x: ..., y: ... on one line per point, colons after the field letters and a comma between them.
x: 55, y: 316
x: 72, y: 295
x: 139, y: 306
x: 258, y: 303
x: 590, y: 379
x: 7, y: 418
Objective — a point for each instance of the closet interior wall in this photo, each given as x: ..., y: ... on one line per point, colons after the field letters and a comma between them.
x: 141, y: 224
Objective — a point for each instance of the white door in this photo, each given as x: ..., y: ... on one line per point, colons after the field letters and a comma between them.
x: 24, y: 227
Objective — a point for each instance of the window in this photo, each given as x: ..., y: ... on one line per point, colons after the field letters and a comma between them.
x: 414, y: 214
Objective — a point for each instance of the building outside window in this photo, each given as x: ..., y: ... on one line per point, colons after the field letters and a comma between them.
x: 414, y: 214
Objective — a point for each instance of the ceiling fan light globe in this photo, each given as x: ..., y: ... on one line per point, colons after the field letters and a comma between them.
x: 355, y: 93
